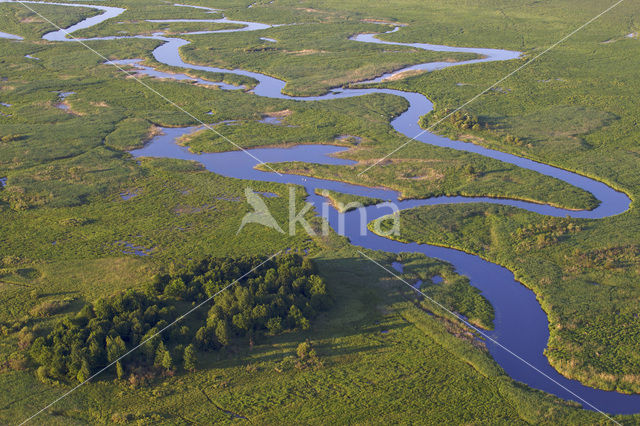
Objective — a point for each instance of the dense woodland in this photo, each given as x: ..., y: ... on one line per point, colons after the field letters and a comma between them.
x: 281, y: 295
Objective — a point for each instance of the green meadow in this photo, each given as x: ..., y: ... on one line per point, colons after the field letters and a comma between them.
x: 77, y: 207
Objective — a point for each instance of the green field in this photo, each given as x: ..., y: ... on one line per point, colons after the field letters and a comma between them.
x: 76, y: 206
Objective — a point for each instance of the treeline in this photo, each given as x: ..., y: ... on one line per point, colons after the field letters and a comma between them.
x: 282, y: 295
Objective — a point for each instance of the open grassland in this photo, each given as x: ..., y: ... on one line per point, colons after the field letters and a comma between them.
x: 380, y: 354
x: 586, y: 282
x: 576, y: 108
x: 67, y: 233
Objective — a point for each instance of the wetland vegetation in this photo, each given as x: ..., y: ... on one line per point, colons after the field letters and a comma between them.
x: 371, y: 349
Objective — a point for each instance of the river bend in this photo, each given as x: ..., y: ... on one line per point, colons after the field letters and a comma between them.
x: 520, y: 323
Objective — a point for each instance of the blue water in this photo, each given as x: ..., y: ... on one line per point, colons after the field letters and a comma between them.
x: 152, y: 72
x: 9, y: 36
x: 271, y: 120
x: 128, y: 195
x: 520, y: 325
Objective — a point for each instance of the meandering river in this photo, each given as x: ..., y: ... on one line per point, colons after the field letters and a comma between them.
x: 520, y: 324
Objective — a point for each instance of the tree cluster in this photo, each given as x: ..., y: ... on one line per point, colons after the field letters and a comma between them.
x: 246, y: 298
x: 546, y: 233
x: 617, y: 257
x: 513, y: 140
x: 460, y: 119
x: 465, y: 121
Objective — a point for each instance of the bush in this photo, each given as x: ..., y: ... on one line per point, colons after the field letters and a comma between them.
x: 307, y: 356
x: 305, y: 351
x: 18, y: 361
x: 25, y: 338
x: 190, y: 359
x: 42, y: 374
